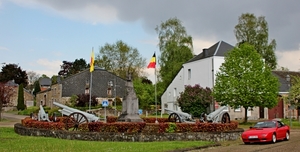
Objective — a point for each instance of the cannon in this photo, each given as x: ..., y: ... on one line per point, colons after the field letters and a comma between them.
x: 217, y: 116
x: 75, y: 117
x: 42, y: 115
x: 177, y: 116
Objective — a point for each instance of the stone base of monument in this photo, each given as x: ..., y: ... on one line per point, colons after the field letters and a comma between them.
x: 130, y: 118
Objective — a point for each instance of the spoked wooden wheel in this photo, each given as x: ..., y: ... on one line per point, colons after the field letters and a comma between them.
x: 74, y: 120
x: 174, y: 117
x: 225, y: 118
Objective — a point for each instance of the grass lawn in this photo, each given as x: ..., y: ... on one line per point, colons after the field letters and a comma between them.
x: 11, y: 142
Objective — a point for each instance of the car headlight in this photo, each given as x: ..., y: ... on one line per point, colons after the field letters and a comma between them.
x: 264, y: 135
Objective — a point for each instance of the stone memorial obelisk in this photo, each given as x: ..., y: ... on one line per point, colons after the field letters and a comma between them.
x: 130, y: 104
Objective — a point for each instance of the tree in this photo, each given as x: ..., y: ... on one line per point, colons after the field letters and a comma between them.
x: 83, y: 100
x: 70, y: 68
x: 65, y: 69
x: 6, y: 93
x: 254, y: 30
x: 32, y: 78
x: 244, y: 80
x: 144, y: 90
x: 21, y: 105
x: 37, y: 88
x: 195, y: 100
x: 78, y: 66
x: 176, y: 48
x: 13, y: 72
x: 119, y: 58
x: 294, y: 93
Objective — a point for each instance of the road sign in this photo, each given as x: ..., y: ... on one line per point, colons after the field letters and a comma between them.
x: 104, y: 103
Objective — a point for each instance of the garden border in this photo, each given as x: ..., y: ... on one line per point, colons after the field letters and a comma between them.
x: 129, y: 137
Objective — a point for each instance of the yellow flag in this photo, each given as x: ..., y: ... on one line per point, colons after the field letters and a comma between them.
x: 92, y: 62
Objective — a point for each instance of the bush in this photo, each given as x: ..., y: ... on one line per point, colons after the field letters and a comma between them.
x: 28, y: 111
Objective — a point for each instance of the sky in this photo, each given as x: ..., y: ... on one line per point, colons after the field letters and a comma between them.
x: 39, y: 34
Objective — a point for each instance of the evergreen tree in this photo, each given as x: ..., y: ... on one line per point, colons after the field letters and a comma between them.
x: 21, y: 105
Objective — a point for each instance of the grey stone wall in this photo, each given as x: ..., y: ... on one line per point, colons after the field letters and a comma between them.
x: 129, y: 137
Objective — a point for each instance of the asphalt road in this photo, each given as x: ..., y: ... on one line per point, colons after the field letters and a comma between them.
x: 293, y: 145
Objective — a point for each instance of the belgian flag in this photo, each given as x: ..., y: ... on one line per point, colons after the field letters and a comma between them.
x: 152, y: 63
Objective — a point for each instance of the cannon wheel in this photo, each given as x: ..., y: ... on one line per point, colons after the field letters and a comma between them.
x: 174, y: 117
x: 74, y: 120
x: 225, y: 118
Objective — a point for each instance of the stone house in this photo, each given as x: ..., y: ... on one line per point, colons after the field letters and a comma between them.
x: 28, y: 96
x: 80, y: 84
x: 284, y: 109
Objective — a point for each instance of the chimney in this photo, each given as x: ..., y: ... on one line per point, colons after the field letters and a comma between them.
x: 205, y: 53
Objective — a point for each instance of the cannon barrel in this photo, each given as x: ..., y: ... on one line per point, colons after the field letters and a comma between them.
x: 215, y: 113
x: 68, y: 110
x: 181, y: 114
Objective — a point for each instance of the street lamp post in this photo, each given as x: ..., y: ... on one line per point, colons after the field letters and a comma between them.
x: 115, y: 95
x: 288, y: 79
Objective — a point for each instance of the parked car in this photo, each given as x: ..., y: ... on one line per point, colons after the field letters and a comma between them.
x: 266, y: 131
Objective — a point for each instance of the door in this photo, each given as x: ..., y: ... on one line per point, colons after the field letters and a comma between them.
x: 261, y: 112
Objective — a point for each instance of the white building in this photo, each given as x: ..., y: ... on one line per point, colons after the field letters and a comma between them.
x: 200, y: 70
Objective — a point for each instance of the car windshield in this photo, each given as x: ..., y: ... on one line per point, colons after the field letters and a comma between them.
x: 265, y: 124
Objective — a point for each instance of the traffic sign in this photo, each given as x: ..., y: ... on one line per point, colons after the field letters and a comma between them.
x: 104, y: 103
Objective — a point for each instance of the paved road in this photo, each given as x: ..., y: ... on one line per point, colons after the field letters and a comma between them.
x: 10, y: 119
x: 293, y: 145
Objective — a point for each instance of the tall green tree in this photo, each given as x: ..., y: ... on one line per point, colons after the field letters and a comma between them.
x: 145, y: 92
x: 294, y: 92
x: 13, y: 72
x: 254, y: 30
x: 195, y: 100
x: 176, y: 47
x: 120, y: 58
x: 21, y: 105
x: 244, y: 80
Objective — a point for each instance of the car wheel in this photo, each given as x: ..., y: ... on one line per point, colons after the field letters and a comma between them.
x: 287, y: 136
x: 274, y: 138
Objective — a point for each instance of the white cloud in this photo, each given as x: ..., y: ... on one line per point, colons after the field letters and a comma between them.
x: 200, y: 44
x: 47, y: 67
x: 3, y: 48
x: 289, y: 59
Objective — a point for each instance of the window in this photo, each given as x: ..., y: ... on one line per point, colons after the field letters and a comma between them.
x: 175, y: 92
x: 238, y: 109
x: 189, y: 74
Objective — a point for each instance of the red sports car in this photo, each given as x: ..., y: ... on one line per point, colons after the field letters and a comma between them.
x: 267, y: 131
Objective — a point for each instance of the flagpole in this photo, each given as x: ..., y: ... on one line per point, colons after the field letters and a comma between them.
x: 155, y: 89
x: 91, y: 83
x: 91, y: 79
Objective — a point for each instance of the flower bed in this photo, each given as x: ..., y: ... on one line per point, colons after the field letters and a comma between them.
x: 131, y: 127
x: 132, y: 131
